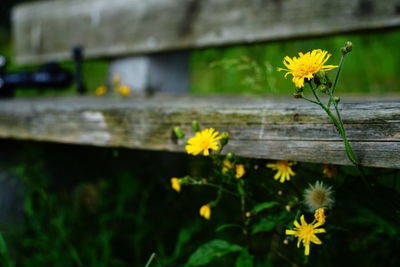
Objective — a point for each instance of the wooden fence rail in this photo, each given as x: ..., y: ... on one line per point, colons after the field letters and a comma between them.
x: 48, y: 30
x: 259, y: 128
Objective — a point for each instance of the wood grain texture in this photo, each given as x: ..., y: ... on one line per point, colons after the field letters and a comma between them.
x: 48, y: 30
x: 259, y: 128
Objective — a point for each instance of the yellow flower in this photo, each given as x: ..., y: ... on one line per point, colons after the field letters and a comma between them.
x: 306, y: 233
x: 329, y: 170
x: 306, y: 65
x: 226, y: 166
x: 175, y: 184
x: 100, y: 90
x: 203, y: 141
x: 205, y: 211
x: 284, y: 170
x: 240, y: 171
x: 124, y: 90
x: 319, y: 215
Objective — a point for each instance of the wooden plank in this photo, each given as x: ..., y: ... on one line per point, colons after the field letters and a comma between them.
x: 48, y: 30
x: 260, y: 128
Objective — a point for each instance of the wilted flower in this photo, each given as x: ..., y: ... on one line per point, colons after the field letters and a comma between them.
x: 329, y: 170
x: 319, y: 215
x: 318, y: 196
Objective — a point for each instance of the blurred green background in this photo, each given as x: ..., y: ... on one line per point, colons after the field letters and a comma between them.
x: 372, y: 67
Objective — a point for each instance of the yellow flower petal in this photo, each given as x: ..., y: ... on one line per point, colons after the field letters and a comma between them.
x: 306, y: 233
x: 306, y: 65
x: 284, y: 171
x: 203, y: 141
x: 205, y: 211
x: 175, y: 184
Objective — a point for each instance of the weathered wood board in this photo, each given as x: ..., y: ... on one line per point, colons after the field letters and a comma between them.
x: 48, y: 30
x: 259, y: 128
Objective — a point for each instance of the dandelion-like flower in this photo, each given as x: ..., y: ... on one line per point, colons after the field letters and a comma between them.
x: 318, y: 196
x: 306, y: 65
x: 205, y: 211
x: 306, y: 233
x: 240, y: 171
x: 329, y: 170
x: 203, y: 141
x: 175, y: 184
x: 284, y: 170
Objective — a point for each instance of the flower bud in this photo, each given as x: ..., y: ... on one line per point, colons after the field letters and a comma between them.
x: 229, y: 155
x: 320, y: 77
x: 336, y: 99
x: 224, y: 138
x: 179, y: 133
x: 349, y: 46
x: 195, y: 126
x: 298, y: 95
x: 248, y: 214
x: 323, y: 88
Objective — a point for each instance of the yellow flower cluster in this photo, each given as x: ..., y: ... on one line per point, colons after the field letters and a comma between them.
x: 239, y: 168
x: 123, y: 90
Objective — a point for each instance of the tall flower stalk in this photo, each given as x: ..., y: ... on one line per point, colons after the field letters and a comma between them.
x: 309, y: 69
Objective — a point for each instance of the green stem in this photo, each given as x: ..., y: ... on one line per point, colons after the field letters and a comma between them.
x: 349, y: 151
x: 221, y: 188
x: 152, y: 257
x: 246, y: 230
x: 336, y: 78
x: 4, y: 254
x: 339, y: 126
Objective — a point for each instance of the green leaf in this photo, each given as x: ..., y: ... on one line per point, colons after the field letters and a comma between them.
x: 264, y: 205
x: 211, y: 250
x: 224, y: 226
x: 270, y: 222
x: 264, y: 225
x: 245, y: 259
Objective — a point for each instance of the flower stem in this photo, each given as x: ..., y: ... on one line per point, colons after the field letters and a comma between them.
x: 336, y: 78
x: 246, y: 230
x: 337, y: 121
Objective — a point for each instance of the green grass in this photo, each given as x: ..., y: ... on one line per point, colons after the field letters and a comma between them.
x: 372, y: 67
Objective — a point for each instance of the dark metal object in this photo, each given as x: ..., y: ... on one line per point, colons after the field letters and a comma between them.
x: 50, y: 75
